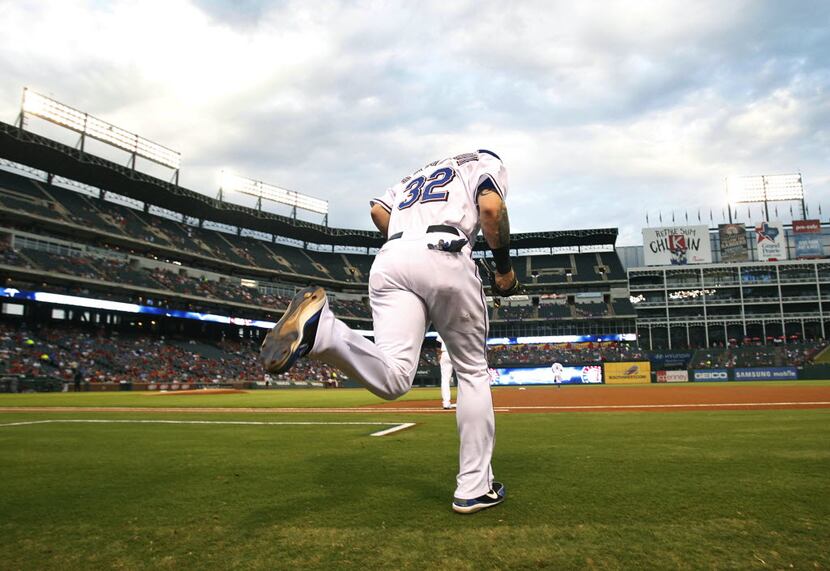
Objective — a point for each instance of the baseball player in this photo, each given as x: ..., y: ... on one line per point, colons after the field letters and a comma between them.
x: 445, y: 363
x: 423, y: 274
x: 558, y: 370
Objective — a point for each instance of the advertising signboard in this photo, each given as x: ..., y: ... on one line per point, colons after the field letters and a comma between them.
x: 573, y: 375
x: 672, y: 376
x: 676, y: 359
x: 732, y: 242
x: 628, y: 373
x: 766, y: 374
x: 807, y: 234
x: 706, y: 375
x: 770, y: 241
x: 677, y: 246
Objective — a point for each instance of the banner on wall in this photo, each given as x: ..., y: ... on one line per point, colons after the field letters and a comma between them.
x: 807, y: 234
x: 770, y: 241
x: 707, y: 375
x: 732, y: 242
x: 672, y: 376
x: 766, y: 374
x: 676, y: 359
x: 575, y: 375
x: 628, y: 373
x: 677, y: 246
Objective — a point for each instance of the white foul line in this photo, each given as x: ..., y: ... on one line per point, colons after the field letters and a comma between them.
x: 403, y: 426
x: 688, y: 405
x: 394, y: 427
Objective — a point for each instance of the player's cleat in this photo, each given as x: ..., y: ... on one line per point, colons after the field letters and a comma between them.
x: 492, y: 498
x: 293, y: 336
x: 449, y: 406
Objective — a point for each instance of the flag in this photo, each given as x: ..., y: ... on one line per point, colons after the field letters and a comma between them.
x: 672, y: 215
x: 661, y: 216
x: 646, y: 218
x: 687, y: 215
x: 698, y: 214
x: 710, y: 216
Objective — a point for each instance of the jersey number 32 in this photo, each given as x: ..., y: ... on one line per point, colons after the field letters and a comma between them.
x: 426, y: 189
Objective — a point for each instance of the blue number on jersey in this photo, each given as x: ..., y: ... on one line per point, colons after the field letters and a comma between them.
x: 438, y: 179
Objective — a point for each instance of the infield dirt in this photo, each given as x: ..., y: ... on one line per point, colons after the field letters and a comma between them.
x: 650, y: 398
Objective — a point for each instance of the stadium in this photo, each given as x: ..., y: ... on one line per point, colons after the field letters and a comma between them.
x: 658, y: 406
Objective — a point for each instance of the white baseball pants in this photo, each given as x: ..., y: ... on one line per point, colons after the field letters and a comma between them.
x: 409, y: 287
x: 445, y: 363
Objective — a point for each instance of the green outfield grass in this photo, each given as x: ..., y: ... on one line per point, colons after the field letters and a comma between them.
x: 726, y: 489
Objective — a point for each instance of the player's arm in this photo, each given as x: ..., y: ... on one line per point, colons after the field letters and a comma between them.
x: 380, y: 218
x: 495, y: 225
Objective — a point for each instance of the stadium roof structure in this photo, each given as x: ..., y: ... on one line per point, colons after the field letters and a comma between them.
x: 55, y: 158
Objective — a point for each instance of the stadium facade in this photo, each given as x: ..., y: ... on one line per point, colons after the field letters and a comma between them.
x: 100, y: 233
x: 735, y: 295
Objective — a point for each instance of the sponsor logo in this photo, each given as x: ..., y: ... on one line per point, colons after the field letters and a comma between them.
x: 766, y: 232
x: 628, y: 373
x: 591, y: 374
x: 714, y: 375
x: 808, y: 226
x: 766, y: 374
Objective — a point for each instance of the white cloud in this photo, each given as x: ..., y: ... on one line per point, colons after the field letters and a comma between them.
x: 602, y: 111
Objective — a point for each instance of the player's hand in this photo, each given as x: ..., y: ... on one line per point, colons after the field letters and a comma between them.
x: 502, y: 285
x: 505, y: 285
x: 504, y: 282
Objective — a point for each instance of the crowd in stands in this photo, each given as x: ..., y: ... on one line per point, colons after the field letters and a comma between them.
x: 125, y: 272
x: 64, y: 352
x: 516, y: 312
x: 795, y: 353
x: 565, y: 353
x: 61, y: 352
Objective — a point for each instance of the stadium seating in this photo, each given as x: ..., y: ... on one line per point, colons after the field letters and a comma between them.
x: 59, y: 351
x: 554, y: 310
x: 68, y: 206
x: 515, y: 312
x: 157, y: 236
x: 622, y: 307
x: 549, y: 269
x: 565, y: 353
x: 793, y: 354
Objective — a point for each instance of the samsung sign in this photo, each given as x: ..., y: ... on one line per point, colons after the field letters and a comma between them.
x: 766, y: 374
x: 700, y: 375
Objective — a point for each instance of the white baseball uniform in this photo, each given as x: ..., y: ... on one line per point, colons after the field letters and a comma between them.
x: 445, y: 364
x: 425, y: 273
x: 558, y: 370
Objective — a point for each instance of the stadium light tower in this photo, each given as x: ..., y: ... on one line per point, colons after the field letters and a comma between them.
x: 46, y: 108
x: 766, y: 189
x: 230, y: 182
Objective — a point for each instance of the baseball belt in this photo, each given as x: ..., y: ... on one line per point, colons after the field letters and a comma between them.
x: 434, y: 229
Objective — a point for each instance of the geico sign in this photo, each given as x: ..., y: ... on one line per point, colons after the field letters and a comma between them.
x: 711, y: 375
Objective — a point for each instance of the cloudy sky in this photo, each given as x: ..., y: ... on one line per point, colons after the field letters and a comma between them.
x: 602, y: 111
